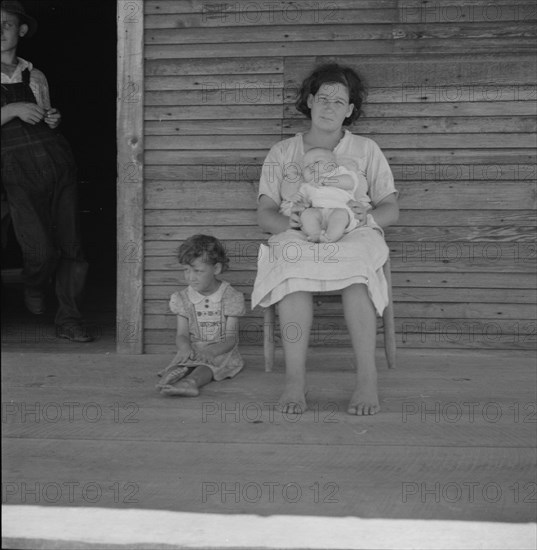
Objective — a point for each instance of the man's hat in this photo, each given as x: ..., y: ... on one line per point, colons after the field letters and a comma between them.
x: 15, y: 7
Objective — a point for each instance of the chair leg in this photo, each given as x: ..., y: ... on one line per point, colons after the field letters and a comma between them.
x: 388, y: 320
x: 268, y: 336
x: 269, y: 322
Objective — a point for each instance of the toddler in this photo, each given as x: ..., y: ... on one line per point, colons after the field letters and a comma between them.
x: 208, y: 312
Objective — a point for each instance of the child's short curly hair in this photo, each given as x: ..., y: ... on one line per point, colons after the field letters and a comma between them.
x: 209, y: 248
x: 332, y: 73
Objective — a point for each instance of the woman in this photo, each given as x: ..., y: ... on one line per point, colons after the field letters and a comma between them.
x: 291, y: 268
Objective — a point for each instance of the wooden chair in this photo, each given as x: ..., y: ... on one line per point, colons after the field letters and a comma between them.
x: 387, y: 319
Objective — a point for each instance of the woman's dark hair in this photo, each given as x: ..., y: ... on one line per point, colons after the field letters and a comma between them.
x: 209, y: 248
x: 332, y: 73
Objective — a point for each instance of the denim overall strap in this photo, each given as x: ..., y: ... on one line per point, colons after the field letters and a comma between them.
x: 17, y: 134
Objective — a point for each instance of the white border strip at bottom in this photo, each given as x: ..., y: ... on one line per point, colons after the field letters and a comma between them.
x: 194, y: 530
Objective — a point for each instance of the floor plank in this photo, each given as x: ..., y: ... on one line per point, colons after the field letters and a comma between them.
x: 455, y: 439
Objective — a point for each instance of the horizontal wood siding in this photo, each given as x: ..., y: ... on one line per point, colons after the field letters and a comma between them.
x: 452, y: 103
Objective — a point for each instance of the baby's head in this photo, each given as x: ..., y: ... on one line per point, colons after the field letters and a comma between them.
x: 320, y: 155
x: 317, y: 162
x: 206, y: 248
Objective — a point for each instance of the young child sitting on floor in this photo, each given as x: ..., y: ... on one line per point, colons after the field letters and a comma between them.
x: 208, y: 312
x: 322, y: 200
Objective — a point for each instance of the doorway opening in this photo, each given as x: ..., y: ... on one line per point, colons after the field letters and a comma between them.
x: 75, y: 46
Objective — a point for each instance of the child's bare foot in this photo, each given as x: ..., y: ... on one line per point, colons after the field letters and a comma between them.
x: 314, y: 238
x: 185, y: 388
x: 293, y: 400
x: 364, y: 400
x: 170, y: 377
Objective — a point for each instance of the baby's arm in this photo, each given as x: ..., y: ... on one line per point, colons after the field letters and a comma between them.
x: 231, y: 339
x: 311, y: 176
x: 343, y: 181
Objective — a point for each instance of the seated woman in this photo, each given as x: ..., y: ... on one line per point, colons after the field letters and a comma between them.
x: 291, y: 268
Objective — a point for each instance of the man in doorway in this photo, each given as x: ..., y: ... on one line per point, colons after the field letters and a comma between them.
x: 39, y: 179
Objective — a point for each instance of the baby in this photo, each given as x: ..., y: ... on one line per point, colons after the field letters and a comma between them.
x: 322, y: 200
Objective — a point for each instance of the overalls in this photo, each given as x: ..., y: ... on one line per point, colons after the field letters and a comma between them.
x: 39, y: 179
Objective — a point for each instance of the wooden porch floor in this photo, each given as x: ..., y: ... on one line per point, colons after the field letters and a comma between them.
x: 448, y: 463
x: 23, y: 332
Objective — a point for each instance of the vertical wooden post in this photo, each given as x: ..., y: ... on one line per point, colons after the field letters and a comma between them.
x: 388, y: 320
x: 130, y: 203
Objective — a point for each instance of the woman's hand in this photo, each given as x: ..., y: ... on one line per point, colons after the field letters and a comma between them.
x: 295, y: 221
x: 53, y: 118
x: 300, y: 203
x: 269, y: 217
x: 360, y: 211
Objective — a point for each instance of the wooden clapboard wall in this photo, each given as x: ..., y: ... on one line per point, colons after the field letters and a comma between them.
x: 452, y: 103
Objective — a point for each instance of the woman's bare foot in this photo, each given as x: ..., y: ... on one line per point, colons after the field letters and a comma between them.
x: 293, y: 399
x: 185, y: 388
x: 364, y: 400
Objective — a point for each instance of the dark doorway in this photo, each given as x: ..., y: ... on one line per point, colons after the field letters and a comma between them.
x: 75, y: 46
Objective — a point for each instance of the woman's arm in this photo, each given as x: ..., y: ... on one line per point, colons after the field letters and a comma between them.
x: 386, y: 212
x: 270, y: 219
